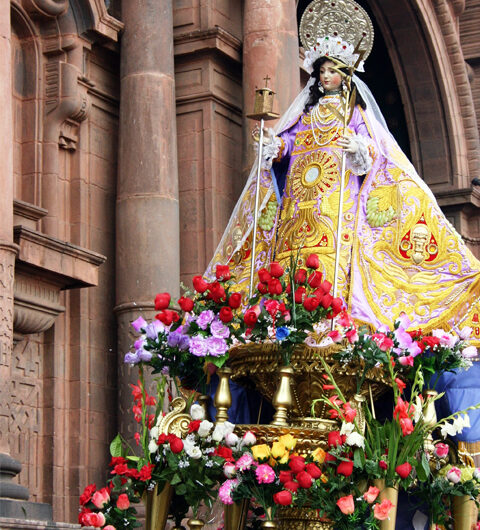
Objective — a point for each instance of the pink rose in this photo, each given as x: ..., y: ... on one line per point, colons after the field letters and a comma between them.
x: 336, y: 336
x: 352, y: 335
x: 454, y: 475
x: 371, y: 494
x: 346, y: 504
x: 382, y: 509
x: 101, y: 497
x: 441, y: 450
x: 123, y: 501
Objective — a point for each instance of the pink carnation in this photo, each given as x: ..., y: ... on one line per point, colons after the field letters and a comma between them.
x: 225, y: 490
x: 265, y: 474
x: 244, y: 462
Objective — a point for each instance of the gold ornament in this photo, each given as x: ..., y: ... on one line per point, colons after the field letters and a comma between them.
x: 344, y: 19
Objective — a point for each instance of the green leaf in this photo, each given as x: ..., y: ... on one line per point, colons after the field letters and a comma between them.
x: 116, y: 446
x: 133, y: 458
x: 217, y: 361
x: 357, y: 459
x: 176, y: 479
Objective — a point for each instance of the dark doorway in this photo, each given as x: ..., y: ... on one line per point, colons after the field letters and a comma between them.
x: 380, y: 77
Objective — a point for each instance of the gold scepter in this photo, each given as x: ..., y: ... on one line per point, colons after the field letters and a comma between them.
x: 262, y: 111
x: 350, y: 97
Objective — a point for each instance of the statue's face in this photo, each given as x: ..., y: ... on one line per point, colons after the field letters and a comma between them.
x: 330, y: 79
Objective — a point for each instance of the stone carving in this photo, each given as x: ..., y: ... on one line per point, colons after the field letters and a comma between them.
x: 46, y: 8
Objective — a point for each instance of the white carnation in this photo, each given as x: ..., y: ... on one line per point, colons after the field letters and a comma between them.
x: 194, y: 452
x: 355, y: 439
x: 154, y: 433
x: 152, y: 446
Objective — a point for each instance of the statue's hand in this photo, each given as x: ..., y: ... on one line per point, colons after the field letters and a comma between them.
x: 267, y: 135
x: 348, y: 144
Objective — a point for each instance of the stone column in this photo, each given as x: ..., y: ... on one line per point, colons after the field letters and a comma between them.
x: 270, y: 47
x: 8, y: 466
x: 147, y: 194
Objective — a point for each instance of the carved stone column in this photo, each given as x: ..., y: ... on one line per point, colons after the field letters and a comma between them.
x: 147, y: 193
x: 270, y: 46
x: 8, y: 466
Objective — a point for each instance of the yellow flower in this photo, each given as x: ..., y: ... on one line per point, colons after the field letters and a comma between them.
x: 319, y: 455
x: 284, y: 458
x: 324, y: 479
x: 278, y: 449
x: 260, y: 452
x: 288, y: 441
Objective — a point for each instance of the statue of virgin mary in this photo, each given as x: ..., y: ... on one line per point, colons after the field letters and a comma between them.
x: 398, y: 254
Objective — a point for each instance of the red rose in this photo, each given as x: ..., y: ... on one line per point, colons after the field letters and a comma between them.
x: 334, y: 439
x: 276, y: 270
x: 167, y: 317
x: 304, y: 480
x: 90, y: 490
x: 313, y: 470
x: 262, y: 288
x: 313, y: 262
x: 275, y: 287
x: 284, y: 498
x: 301, y: 276
x: 337, y: 305
x: 235, y: 300
x: 315, y: 279
x: 217, y: 292
x: 327, y: 300
x: 299, y: 294
x: 162, y: 301
x: 330, y: 458
x: 311, y: 303
x: 176, y: 444
x: 194, y: 425
x: 326, y: 286
x: 430, y: 342
x: 123, y: 502
x: 199, y: 284
x: 288, y: 288
x: 225, y: 315
x: 224, y: 452
x: 345, y: 468
x: 383, y: 464
x: 162, y: 439
x: 297, y: 464
x: 222, y: 272
x: 250, y: 318
x: 285, y: 476
x: 264, y: 276
x: 83, y: 516
x: 403, y: 470
x: 114, y: 461
x: 185, y: 303
x: 291, y: 485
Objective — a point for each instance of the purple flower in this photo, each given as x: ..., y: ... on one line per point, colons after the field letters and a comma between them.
x: 173, y: 339
x: 184, y: 343
x: 204, y: 318
x: 154, y: 328
x: 131, y: 358
x: 138, y: 344
x: 144, y: 355
x: 219, y: 330
x: 198, y: 346
x: 216, y: 346
x: 139, y: 323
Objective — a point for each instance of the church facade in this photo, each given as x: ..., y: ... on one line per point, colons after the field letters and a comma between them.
x: 124, y: 145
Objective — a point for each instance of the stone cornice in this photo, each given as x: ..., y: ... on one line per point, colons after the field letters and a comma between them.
x: 459, y: 197
x: 208, y: 96
x: 206, y: 40
x: 65, y: 264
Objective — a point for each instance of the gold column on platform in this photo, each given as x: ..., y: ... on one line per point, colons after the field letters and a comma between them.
x: 282, y: 400
x: 223, y: 397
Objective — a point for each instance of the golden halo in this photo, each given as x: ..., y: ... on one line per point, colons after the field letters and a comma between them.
x: 339, y: 18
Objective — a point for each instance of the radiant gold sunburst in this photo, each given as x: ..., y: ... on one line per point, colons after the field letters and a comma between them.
x: 313, y: 175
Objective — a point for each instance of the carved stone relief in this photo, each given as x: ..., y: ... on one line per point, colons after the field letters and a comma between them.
x: 46, y: 8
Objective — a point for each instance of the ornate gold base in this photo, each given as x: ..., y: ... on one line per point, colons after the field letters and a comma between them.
x: 261, y: 362
x: 302, y: 519
x: 464, y: 512
x: 392, y: 495
x: 195, y: 524
x: 235, y: 515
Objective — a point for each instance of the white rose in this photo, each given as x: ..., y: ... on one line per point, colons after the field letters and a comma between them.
x: 205, y: 428
x: 154, y: 434
x: 197, y: 412
x: 229, y: 470
x: 465, y: 332
x: 152, y: 446
x: 249, y: 438
x: 229, y: 427
x: 347, y: 428
x: 218, y: 432
x: 194, y: 452
x: 188, y: 444
x: 231, y: 439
